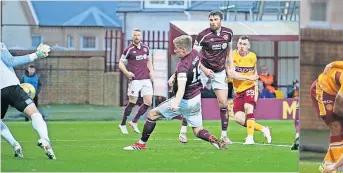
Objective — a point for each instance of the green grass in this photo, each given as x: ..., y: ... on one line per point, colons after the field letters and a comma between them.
x: 306, y: 167
x: 96, y: 146
x: 78, y: 112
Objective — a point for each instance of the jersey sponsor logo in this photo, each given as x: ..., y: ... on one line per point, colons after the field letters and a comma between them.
x: 245, y: 69
x: 140, y: 57
x: 327, y: 101
x: 218, y: 46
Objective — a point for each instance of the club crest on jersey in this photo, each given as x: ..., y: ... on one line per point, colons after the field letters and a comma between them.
x: 211, y: 39
x: 226, y: 37
x: 224, y: 46
x: 329, y: 107
x: 145, y: 49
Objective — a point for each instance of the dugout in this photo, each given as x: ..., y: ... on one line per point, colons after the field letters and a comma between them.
x: 276, y: 45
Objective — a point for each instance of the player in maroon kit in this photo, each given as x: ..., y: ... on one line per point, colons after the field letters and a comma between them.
x: 139, y: 72
x: 214, y: 45
x: 187, y: 100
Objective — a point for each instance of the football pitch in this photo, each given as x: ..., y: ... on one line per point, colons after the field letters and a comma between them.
x: 96, y: 146
x: 308, y: 166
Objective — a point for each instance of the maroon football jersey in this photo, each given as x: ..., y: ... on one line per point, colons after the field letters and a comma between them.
x: 190, y: 65
x: 137, y: 58
x: 214, y: 47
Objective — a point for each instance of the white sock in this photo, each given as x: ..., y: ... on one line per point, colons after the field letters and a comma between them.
x: 40, y: 126
x: 224, y: 133
x: 6, y: 133
x: 183, y: 129
x: 141, y: 142
x: 250, y: 137
x: 296, y: 135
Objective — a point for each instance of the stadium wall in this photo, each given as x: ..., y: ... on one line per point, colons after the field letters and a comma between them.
x: 75, y: 77
x: 319, y: 47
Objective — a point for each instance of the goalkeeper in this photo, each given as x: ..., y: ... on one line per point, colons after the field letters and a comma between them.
x: 12, y: 94
x: 327, y: 97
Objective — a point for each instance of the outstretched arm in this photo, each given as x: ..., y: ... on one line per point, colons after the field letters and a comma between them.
x: 13, y: 61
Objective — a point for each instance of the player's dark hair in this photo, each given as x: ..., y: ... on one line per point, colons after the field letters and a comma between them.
x: 31, y: 66
x: 216, y: 13
x: 244, y: 37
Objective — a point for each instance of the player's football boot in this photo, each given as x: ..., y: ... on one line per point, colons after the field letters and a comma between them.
x: 217, y: 143
x: 18, y: 151
x: 226, y: 140
x: 45, y: 144
x: 136, y: 146
x: 295, y: 145
x: 134, y: 126
x: 267, y: 133
x: 183, y: 137
x: 249, y: 141
x: 123, y: 129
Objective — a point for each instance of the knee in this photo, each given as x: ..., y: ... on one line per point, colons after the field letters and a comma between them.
x: 223, y: 103
x: 30, y: 109
x: 153, y: 115
x: 148, y: 102
x: 239, y: 118
x: 249, y: 108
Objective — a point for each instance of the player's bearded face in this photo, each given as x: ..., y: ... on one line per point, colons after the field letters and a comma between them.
x: 215, y: 22
x: 136, y: 37
x: 243, y: 46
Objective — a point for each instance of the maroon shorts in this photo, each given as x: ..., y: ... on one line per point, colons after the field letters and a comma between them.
x: 323, y: 104
x: 247, y: 96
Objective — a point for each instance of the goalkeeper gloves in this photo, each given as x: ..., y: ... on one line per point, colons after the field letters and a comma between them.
x: 42, y: 50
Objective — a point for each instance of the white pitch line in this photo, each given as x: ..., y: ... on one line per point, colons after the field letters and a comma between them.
x: 121, y: 139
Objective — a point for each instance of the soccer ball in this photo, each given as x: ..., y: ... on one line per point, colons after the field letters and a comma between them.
x: 29, y: 89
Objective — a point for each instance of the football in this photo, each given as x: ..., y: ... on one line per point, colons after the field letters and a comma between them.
x: 29, y: 89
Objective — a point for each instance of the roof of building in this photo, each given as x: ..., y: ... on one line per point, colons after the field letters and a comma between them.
x: 76, y: 13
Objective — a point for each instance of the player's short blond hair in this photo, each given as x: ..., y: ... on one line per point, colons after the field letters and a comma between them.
x: 183, y: 41
x: 136, y: 30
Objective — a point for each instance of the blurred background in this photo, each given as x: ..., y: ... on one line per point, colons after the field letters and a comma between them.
x: 321, y: 43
